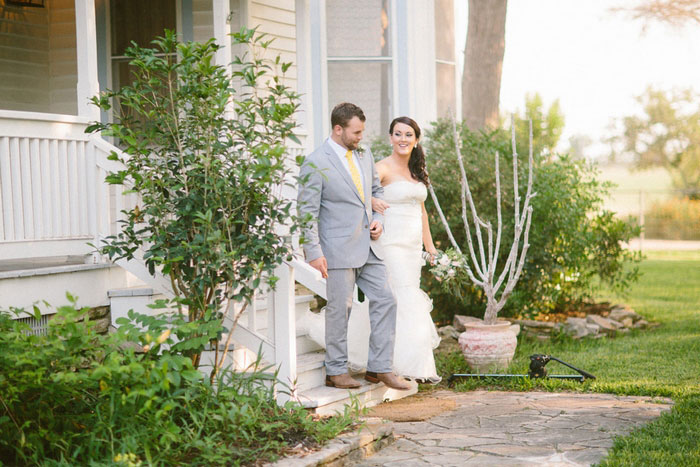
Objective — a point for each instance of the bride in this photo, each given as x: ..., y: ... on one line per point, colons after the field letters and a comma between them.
x: 406, y: 230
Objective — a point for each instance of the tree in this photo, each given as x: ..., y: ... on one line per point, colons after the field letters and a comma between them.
x: 547, y: 126
x: 578, y: 144
x: 482, y: 268
x: 672, y: 12
x: 667, y: 135
x: 483, y: 63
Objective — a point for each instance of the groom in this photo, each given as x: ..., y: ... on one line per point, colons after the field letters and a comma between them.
x: 336, y: 185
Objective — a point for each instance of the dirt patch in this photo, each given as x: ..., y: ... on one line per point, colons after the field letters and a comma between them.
x: 412, y: 409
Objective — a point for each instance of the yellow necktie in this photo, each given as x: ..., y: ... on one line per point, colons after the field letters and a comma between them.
x: 355, y: 174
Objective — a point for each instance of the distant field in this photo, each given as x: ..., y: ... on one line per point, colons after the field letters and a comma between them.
x: 635, y: 188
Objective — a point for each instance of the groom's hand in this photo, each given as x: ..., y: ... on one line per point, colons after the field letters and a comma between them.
x: 321, y: 265
x: 375, y: 230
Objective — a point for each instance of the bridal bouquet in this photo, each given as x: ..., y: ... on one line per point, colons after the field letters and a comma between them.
x: 444, y: 265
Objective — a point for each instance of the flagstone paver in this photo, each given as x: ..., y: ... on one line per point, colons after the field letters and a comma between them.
x: 517, y: 428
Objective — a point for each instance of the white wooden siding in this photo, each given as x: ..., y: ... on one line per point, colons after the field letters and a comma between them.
x: 202, y: 20
x: 278, y: 19
x: 24, y: 58
x: 274, y: 17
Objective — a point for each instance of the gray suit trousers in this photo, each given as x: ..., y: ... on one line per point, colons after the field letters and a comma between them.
x: 373, y: 279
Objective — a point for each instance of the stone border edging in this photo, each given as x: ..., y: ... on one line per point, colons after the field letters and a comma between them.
x: 375, y: 434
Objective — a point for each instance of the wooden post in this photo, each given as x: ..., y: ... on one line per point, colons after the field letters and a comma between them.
x: 86, y: 45
x: 8, y: 218
x: 222, y: 35
x: 93, y: 200
x: 285, y: 333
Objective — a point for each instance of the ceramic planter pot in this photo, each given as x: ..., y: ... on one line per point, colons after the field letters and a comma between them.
x: 488, y: 347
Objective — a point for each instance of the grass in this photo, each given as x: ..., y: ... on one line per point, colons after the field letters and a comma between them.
x: 664, y: 361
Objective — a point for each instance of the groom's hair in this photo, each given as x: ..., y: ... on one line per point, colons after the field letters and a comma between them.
x: 343, y: 113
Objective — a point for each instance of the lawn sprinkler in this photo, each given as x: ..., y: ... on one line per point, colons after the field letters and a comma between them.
x: 537, y: 370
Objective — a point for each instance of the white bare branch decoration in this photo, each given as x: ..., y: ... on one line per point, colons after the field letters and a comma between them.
x: 481, y: 264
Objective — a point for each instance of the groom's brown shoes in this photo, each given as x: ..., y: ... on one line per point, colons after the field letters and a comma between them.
x: 389, y: 379
x: 343, y: 381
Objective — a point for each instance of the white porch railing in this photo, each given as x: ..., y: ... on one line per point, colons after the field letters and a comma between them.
x: 54, y: 201
x: 47, y: 196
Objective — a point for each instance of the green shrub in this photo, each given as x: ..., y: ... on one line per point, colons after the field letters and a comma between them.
x: 209, y: 215
x: 673, y: 219
x: 74, y: 397
x: 574, y: 245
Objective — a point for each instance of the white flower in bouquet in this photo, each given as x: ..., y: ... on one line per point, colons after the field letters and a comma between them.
x: 444, y: 265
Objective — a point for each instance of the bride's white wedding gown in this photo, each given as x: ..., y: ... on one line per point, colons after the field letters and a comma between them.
x: 416, y: 336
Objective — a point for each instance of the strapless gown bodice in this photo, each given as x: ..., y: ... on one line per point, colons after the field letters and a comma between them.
x: 402, y: 241
x: 404, y: 193
x: 403, y: 231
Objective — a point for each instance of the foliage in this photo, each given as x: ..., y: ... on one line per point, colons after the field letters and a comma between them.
x: 675, y: 13
x: 75, y: 397
x: 380, y: 147
x: 667, y: 135
x: 209, y: 185
x: 547, y: 126
x: 677, y: 219
x: 573, y: 244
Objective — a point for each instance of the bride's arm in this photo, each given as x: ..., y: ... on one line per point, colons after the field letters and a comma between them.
x: 379, y: 205
x: 427, y: 238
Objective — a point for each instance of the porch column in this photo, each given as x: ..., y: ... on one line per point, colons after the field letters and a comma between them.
x: 222, y: 30
x: 86, y: 48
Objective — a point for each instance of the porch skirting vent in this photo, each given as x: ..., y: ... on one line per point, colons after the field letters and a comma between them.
x: 39, y: 326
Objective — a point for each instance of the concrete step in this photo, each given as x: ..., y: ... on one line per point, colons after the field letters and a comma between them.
x: 306, y: 345
x: 312, y: 392
x: 329, y: 401
x: 311, y: 371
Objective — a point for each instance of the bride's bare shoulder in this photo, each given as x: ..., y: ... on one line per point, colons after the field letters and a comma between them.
x: 383, y: 162
x: 383, y: 167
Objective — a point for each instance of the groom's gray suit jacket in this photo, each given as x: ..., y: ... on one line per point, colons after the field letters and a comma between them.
x: 340, y: 226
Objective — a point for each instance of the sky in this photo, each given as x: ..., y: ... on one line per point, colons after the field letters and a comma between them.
x: 594, y: 61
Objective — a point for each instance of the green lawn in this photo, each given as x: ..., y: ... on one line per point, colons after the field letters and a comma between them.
x: 660, y: 362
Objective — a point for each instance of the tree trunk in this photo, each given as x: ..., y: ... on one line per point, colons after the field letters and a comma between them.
x: 483, y: 63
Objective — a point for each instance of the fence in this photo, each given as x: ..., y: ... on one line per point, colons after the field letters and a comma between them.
x: 663, y: 214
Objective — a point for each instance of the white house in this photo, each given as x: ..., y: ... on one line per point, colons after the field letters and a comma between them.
x: 391, y: 57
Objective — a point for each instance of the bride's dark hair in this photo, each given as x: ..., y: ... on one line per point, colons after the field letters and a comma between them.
x: 416, y: 163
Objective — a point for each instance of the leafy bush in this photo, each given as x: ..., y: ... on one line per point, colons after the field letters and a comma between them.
x: 210, y: 210
x: 76, y: 398
x: 674, y: 219
x: 574, y: 246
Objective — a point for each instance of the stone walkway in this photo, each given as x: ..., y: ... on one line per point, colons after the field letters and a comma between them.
x: 517, y: 428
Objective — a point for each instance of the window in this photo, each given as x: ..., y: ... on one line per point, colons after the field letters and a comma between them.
x: 138, y: 21
x: 359, y: 56
x: 445, y: 67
